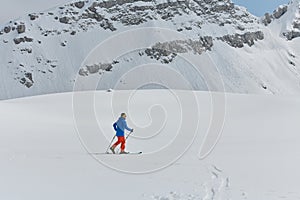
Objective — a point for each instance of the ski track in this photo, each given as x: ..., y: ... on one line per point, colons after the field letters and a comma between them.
x: 218, y: 187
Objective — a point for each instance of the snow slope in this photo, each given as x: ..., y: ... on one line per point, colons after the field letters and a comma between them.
x: 215, y: 45
x: 257, y: 156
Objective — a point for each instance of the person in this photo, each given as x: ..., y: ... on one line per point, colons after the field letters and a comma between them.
x: 119, y: 127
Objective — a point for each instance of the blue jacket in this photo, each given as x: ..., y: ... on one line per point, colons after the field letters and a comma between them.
x: 120, y: 127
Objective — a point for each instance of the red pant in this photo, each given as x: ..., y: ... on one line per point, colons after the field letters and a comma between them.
x: 121, y: 140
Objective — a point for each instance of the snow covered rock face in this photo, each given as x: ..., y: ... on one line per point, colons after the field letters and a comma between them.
x: 21, y: 28
x: 276, y: 15
x: 293, y: 30
x: 239, y: 40
x: 79, y: 4
x: 52, y: 45
x: 290, y: 16
x: 27, y: 80
x: 166, y: 52
x: 96, y: 68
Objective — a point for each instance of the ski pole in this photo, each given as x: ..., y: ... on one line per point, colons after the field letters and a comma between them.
x: 128, y: 135
x: 110, y: 143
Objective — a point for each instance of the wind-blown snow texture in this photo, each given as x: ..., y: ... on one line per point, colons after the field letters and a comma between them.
x: 45, y: 52
x: 257, y: 156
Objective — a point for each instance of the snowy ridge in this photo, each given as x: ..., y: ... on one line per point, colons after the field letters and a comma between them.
x: 293, y: 19
x: 44, y: 52
x: 286, y: 20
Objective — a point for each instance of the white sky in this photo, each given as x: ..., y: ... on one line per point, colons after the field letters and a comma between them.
x: 12, y: 9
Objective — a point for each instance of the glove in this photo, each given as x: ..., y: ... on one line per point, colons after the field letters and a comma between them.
x: 131, y: 130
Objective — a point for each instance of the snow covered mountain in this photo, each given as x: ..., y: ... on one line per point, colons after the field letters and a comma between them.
x: 212, y: 44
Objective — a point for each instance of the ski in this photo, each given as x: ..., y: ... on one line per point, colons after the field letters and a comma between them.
x: 136, y: 153
x: 110, y: 153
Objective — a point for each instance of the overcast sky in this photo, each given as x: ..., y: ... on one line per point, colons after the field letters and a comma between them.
x: 12, y: 9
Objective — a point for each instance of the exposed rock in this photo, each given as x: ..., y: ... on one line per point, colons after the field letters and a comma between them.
x: 238, y: 40
x: 167, y: 51
x: 132, y: 20
x: 184, y: 46
x: 23, y: 80
x: 28, y: 84
x: 21, y: 28
x: 79, y: 4
x: 27, y: 80
x: 92, y: 69
x: 63, y: 44
x: 129, y: 13
x: 292, y: 63
x: 83, y: 72
x: 291, y: 35
x: 207, y: 42
x: 267, y: 19
x: 92, y: 15
x: 64, y: 20
x: 33, y: 16
x: 7, y: 29
x: 224, y: 6
x: 264, y: 86
x: 161, y: 54
x: 107, y: 25
x: 29, y: 76
x: 296, y: 25
x: 110, y: 4
x: 241, y: 28
x: 93, y: 9
x: 28, y: 50
x: 73, y: 33
x: 137, y: 14
x: 95, y: 68
x: 23, y: 39
x: 27, y: 39
x: 280, y: 11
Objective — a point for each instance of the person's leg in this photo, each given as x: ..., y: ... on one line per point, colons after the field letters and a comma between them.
x: 116, y: 143
x: 122, y: 139
x: 112, y: 148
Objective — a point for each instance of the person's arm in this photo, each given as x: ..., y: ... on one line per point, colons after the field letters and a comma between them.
x: 115, y: 126
x: 127, y: 128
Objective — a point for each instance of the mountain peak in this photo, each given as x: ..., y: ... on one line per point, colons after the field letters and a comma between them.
x: 291, y: 20
x: 286, y: 19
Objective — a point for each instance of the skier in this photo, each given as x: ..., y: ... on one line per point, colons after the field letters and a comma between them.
x: 120, y: 127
